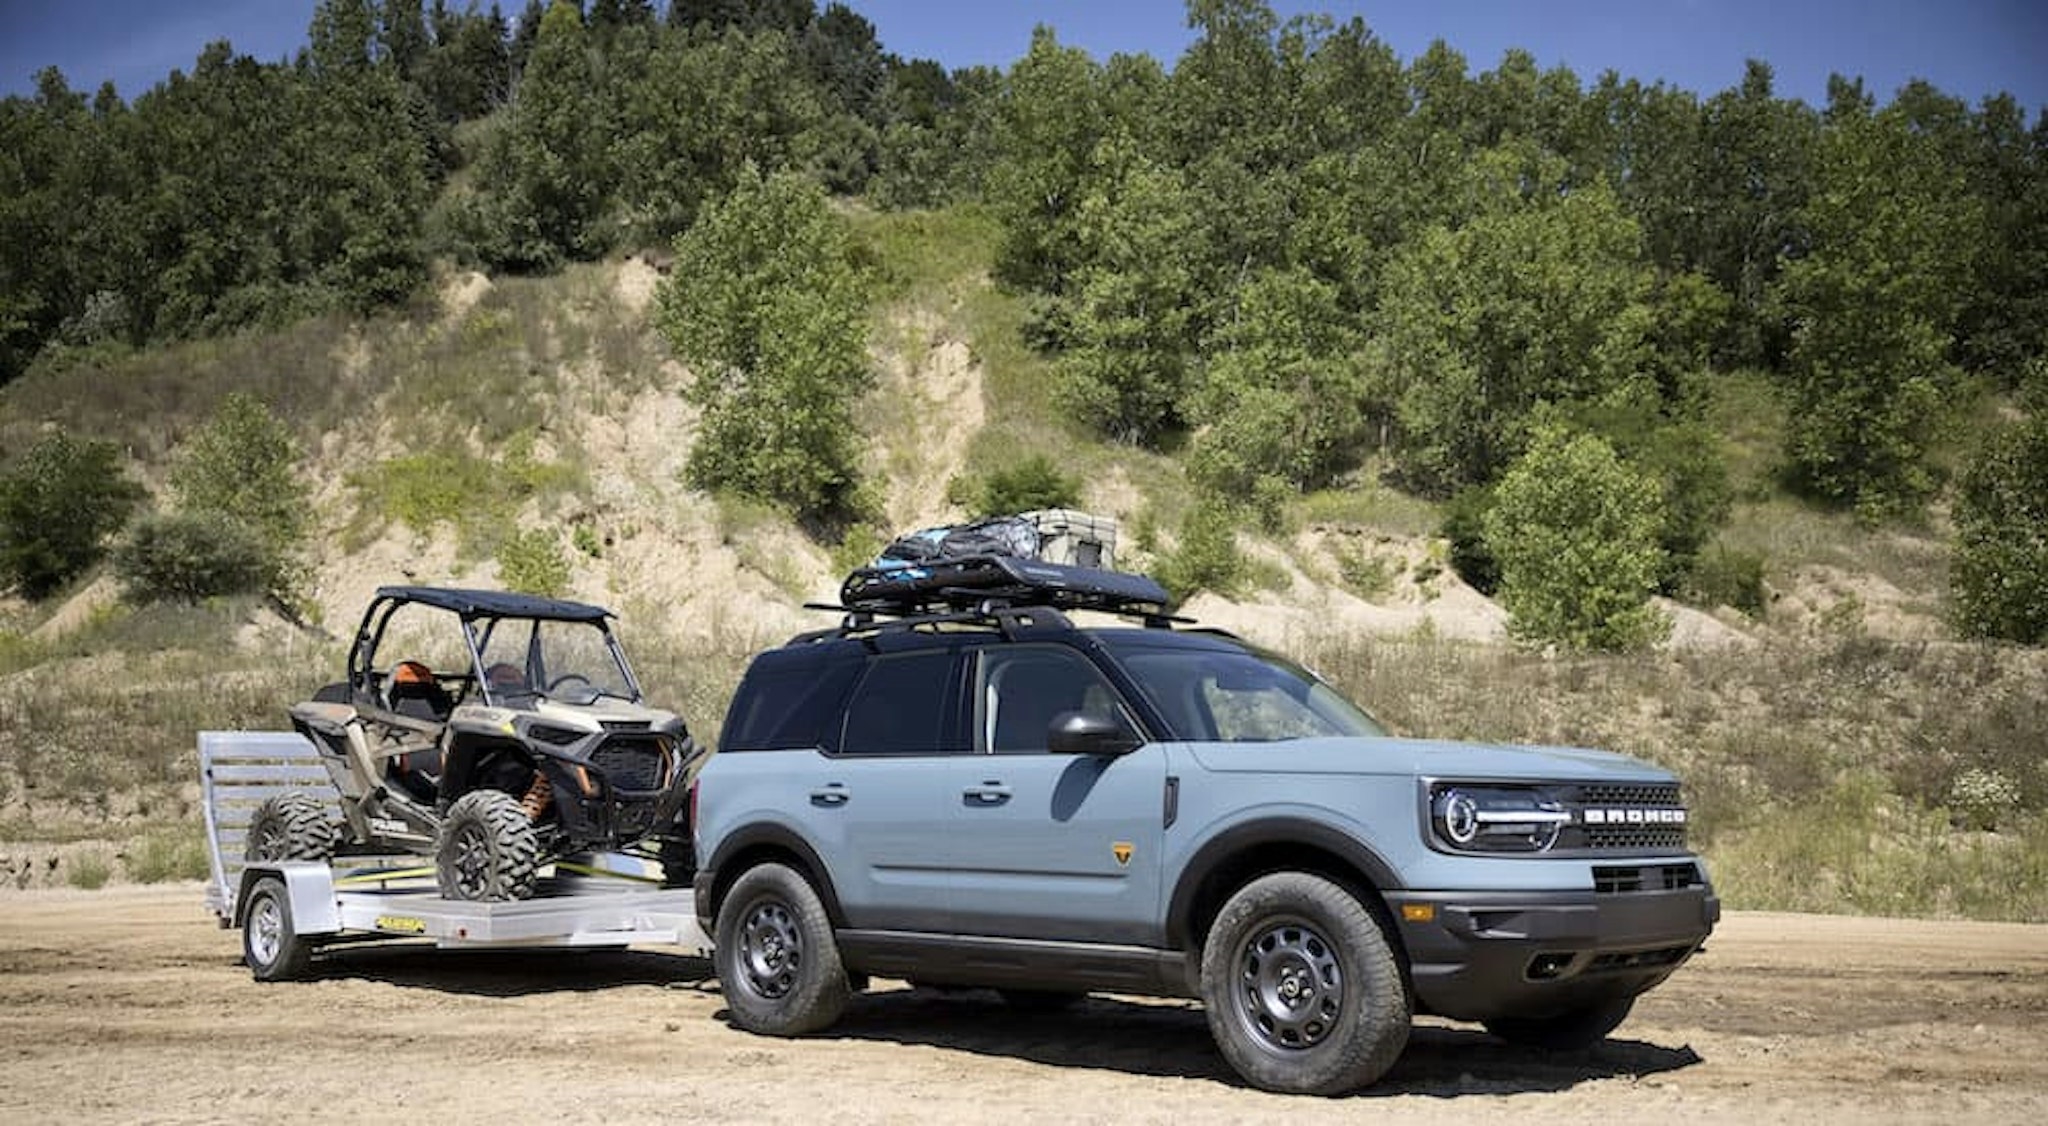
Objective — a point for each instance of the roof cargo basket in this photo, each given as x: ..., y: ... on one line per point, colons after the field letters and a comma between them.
x: 999, y: 580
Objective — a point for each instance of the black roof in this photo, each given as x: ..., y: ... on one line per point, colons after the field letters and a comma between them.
x: 495, y: 603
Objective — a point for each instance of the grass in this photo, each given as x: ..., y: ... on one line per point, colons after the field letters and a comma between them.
x: 89, y: 870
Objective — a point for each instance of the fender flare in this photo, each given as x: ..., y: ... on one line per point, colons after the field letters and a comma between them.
x: 768, y: 834
x: 1227, y: 845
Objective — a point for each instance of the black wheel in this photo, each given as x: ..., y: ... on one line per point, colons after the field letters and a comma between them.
x: 488, y: 848
x: 777, y: 961
x: 1303, y: 993
x: 271, y: 948
x: 1567, y: 1031
x: 292, y: 826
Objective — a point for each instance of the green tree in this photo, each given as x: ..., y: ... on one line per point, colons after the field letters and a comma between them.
x: 548, y: 173
x: 58, y: 504
x: 1575, y: 532
x: 1281, y: 401
x: 240, y: 467
x: 1540, y: 298
x: 1873, y: 306
x: 1049, y: 122
x: 531, y: 561
x: 1029, y: 485
x: 767, y: 307
x: 1125, y: 371
x: 1999, y: 577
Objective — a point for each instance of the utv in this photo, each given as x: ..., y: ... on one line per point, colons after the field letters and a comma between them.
x: 495, y: 732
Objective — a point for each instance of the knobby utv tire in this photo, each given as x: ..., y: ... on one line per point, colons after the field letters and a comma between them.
x: 1564, y: 1032
x: 271, y: 946
x: 778, y: 963
x: 488, y: 849
x: 291, y: 826
x: 1303, y: 992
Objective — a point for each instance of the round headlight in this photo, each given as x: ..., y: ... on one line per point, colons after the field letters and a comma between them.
x: 1460, y: 816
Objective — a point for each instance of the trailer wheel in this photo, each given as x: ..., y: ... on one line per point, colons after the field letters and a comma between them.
x: 271, y: 946
x: 291, y: 826
x: 777, y: 961
x: 488, y: 849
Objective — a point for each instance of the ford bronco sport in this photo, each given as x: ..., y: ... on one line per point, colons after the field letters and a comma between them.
x: 959, y: 786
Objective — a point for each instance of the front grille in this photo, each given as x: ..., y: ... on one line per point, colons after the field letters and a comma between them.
x: 1638, y: 959
x: 632, y: 766
x: 624, y: 724
x: 1655, y: 877
x: 1633, y: 838
x: 1652, y: 794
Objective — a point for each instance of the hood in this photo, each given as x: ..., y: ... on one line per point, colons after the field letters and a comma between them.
x: 604, y: 710
x: 1425, y: 758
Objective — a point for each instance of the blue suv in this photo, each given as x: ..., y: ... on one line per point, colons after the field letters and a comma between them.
x: 959, y: 786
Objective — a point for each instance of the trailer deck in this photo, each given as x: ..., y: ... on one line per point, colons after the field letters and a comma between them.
x: 596, y: 900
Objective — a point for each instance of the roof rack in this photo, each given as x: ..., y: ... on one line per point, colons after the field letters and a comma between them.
x: 982, y: 584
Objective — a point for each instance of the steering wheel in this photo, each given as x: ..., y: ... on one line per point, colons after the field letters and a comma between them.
x: 566, y: 678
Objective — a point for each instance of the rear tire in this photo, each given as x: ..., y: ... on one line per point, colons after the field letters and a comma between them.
x: 1303, y: 992
x: 271, y: 946
x: 292, y: 826
x: 778, y: 963
x: 1565, y: 1032
x: 488, y: 849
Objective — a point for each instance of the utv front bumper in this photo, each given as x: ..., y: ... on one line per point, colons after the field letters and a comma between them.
x: 1482, y: 955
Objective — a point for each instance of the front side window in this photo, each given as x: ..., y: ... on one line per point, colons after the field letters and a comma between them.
x: 1024, y: 689
x: 1213, y: 696
x: 569, y: 662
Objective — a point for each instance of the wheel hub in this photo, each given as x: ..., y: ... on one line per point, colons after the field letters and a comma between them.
x: 771, y: 950
x: 1290, y: 986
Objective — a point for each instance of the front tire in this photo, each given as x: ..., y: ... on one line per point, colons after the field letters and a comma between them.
x: 778, y: 963
x: 1303, y: 992
x: 488, y: 849
x: 290, y: 826
x: 271, y: 945
x: 1564, y: 1032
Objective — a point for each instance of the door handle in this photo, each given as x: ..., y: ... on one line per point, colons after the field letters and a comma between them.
x: 833, y: 794
x: 988, y: 793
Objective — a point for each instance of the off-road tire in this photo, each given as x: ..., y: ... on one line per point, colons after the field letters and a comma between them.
x: 1040, y: 1000
x: 290, y: 826
x: 271, y: 946
x: 778, y: 963
x: 1564, y: 1032
x: 1303, y: 992
x: 488, y: 849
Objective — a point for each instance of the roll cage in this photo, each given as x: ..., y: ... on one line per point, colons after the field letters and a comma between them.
x: 480, y: 613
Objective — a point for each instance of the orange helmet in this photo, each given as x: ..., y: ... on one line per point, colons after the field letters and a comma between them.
x: 411, y: 672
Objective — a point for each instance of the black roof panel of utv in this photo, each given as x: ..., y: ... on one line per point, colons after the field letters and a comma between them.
x: 495, y: 603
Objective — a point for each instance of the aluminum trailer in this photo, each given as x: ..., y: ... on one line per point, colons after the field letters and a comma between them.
x: 289, y: 909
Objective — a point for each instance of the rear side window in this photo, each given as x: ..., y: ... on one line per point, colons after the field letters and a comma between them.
x: 790, y: 707
x: 907, y: 704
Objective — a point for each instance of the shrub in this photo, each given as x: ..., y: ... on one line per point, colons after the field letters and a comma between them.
x: 1575, y: 530
x: 1031, y: 484
x: 238, y: 468
x: 58, y: 504
x: 1726, y: 576
x: 2000, y: 575
x: 1465, y: 527
x: 88, y: 871
x: 532, y: 562
x: 1207, y: 557
x: 177, y: 853
x: 1980, y: 799
x: 187, y: 556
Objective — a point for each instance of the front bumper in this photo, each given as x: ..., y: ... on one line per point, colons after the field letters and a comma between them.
x: 1481, y: 955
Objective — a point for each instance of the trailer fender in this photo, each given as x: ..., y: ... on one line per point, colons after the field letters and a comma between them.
x: 308, y: 886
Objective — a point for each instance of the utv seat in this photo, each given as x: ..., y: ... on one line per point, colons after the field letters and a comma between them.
x: 415, y: 693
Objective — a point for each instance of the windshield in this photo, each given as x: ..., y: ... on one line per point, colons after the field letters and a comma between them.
x: 1212, y: 696
x: 567, y: 662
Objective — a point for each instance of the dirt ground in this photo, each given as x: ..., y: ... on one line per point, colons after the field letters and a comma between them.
x: 128, y: 1005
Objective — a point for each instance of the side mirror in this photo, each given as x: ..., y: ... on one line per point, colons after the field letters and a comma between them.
x: 1078, y: 733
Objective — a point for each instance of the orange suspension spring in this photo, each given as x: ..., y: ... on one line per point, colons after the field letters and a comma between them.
x: 539, y: 797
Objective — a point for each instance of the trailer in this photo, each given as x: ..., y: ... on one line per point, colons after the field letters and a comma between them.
x: 289, y: 910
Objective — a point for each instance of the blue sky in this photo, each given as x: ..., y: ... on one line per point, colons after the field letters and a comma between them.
x: 1969, y: 48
